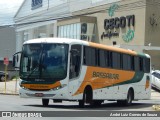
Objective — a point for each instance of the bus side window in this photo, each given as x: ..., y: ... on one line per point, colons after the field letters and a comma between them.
x: 110, y: 58
x: 137, y: 63
x: 90, y: 56
x: 146, y: 65
x: 132, y: 63
x: 102, y: 58
x: 141, y: 64
x: 127, y: 62
x: 75, y: 61
x: 116, y: 60
x: 107, y: 59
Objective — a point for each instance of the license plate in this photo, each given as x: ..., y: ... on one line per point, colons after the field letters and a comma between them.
x: 39, y: 94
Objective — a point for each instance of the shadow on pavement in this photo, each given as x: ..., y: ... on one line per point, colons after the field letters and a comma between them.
x: 105, y: 106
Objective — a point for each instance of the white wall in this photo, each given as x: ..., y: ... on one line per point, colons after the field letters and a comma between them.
x: 26, y: 10
x: 76, y: 5
x: 7, y: 42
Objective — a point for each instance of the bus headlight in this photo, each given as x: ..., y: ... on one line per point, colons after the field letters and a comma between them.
x: 59, y: 87
x: 21, y: 85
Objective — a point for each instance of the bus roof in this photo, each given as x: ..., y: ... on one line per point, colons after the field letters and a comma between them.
x: 76, y: 41
x: 55, y: 40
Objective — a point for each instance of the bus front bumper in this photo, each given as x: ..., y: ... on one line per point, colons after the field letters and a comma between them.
x: 23, y: 93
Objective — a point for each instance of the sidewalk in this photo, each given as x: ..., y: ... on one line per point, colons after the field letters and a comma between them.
x: 12, y: 87
x: 155, y: 95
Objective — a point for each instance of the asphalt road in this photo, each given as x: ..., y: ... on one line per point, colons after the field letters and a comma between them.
x: 15, y: 103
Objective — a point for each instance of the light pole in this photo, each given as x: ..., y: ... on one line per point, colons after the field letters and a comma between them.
x: 6, y: 62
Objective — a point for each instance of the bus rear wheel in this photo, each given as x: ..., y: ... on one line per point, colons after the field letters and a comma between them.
x: 128, y: 101
x: 45, y: 102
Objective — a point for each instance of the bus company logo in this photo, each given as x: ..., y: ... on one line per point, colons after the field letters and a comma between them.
x: 105, y: 75
x: 21, y: 114
x: 6, y: 114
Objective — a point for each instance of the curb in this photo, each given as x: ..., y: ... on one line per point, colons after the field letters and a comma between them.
x: 8, y: 94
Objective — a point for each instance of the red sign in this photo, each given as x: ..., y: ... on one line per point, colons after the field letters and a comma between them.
x: 6, y: 61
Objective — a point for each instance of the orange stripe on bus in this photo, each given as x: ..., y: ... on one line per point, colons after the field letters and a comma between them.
x: 115, y: 49
x: 108, y: 78
x: 42, y: 86
x: 147, y: 84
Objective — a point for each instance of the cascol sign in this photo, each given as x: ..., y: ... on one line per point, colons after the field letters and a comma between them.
x: 119, y: 22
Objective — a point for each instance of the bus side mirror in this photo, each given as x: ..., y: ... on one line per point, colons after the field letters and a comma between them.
x: 16, y: 60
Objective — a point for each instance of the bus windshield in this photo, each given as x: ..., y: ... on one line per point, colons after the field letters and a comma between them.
x: 44, y: 62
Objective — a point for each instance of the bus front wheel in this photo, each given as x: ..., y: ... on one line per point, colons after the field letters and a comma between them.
x: 87, y: 97
x: 83, y: 101
x: 45, y: 102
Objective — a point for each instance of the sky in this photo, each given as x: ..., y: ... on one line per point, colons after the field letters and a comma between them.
x: 8, y: 9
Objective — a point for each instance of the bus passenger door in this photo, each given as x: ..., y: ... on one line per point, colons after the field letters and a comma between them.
x: 74, y: 70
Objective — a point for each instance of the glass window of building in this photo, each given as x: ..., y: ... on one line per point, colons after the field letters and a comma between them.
x: 83, y: 31
x: 40, y: 32
x: 25, y: 35
x: 71, y: 31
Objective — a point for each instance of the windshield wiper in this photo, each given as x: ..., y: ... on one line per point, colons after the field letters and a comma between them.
x: 37, y: 66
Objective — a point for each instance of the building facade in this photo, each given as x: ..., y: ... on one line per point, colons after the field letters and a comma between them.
x: 131, y: 24
x: 7, y: 46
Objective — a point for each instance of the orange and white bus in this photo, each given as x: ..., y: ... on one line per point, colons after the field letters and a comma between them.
x: 75, y: 70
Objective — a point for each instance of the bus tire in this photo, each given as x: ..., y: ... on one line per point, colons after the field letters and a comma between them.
x: 87, y: 97
x: 83, y: 101
x: 128, y: 101
x: 130, y: 97
x: 45, y: 102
